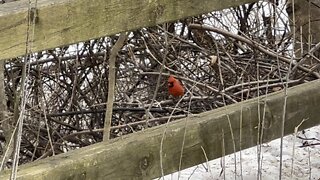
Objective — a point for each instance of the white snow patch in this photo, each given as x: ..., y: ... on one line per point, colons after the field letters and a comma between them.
x: 306, y: 162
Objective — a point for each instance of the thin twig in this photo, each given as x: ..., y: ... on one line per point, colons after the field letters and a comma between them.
x: 184, y: 135
x: 284, y: 114
x: 293, y: 145
x: 111, y: 84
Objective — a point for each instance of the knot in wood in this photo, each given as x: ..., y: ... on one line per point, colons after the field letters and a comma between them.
x: 159, y: 11
x: 144, y: 163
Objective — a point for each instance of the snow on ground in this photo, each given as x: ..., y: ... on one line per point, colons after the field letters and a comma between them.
x: 306, y: 162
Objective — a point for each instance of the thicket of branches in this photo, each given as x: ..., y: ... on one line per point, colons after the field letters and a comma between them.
x: 222, y: 58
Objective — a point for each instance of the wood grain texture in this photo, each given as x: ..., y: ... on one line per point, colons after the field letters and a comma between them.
x: 136, y: 156
x: 63, y: 22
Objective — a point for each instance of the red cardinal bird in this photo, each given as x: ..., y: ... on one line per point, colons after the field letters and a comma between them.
x: 175, y: 87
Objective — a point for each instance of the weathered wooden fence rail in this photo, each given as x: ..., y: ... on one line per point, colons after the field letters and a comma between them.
x: 136, y: 156
x: 63, y: 22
